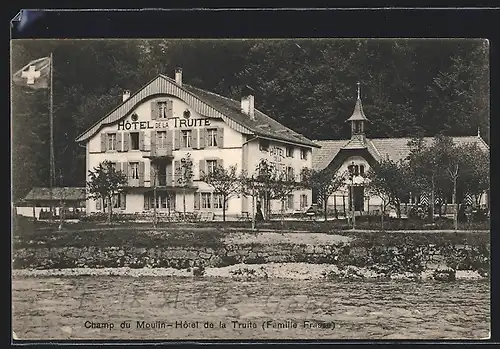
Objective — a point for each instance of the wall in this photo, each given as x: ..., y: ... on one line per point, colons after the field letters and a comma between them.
x: 277, y: 154
x: 378, y: 261
x: 344, y: 191
x: 231, y: 155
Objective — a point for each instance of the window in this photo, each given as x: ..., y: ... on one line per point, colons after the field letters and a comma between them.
x: 289, y: 202
x: 354, y: 169
x: 134, y: 140
x: 186, y: 138
x: 162, y: 110
x: 206, y: 199
x: 264, y: 145
x: 161, y: 139
x: 289, y: 174
x: 163, y: 201
x: 289, y: 152
x: 211, y: 165
x: 134, y: 170
x: 303, y: 201
x: 212, y: 137
x: 116, y: 200
x: 111, y: 141
x: 361, y: 170
x: 218, y: 200
x: 303, y: 154
x: 303, y: 174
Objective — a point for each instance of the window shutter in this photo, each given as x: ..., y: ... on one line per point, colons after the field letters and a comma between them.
x: 123, y: 198
x: 152, y: 174
x: 170, y: 108
x: 141, y: 174
x: 292, y: 172
x: 126, y: 140
x: 119, y: 137
x: 103, y: 142
x: 197, y: 201
x: 169, y: 141
x: 194, y: 138
x: 177, y: 171
x: 146, y: 202
x: 203, y: 134
x: 141, y: 140
x: 125, y: 171
x: 220, y: 163
x: 153, y: 142
x: 98, y: 204
x: 169, y: 175
x: 154, y: 110
x: 220, y: 135
x: 177, y: 139
x: 202, y: 167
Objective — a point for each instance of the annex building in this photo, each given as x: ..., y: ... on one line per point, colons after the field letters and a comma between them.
x: 359, y: 153
x: 152, y: 130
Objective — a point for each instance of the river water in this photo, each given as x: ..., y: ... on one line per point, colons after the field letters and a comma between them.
x: 211, y: 308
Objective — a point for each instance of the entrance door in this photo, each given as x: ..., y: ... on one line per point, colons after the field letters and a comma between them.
x: 162, y: 175
x: 359, y: 198
x: 358, y: 193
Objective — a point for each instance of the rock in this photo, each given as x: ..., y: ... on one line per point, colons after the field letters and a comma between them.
x: 444, y: 275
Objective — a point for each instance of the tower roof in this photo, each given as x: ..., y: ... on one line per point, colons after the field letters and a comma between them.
x: 358, y: 113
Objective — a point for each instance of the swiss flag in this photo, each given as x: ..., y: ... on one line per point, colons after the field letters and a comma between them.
x: 35, y: 74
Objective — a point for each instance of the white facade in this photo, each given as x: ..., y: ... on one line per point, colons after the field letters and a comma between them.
x: 159, y: 127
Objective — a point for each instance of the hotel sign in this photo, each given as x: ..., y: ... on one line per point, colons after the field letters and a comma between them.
x: 174, y: 122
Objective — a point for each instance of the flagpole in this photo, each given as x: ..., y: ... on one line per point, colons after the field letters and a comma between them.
x: 52, y: 162
x: 51, y: 123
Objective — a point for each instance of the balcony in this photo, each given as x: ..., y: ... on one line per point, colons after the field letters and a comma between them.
x: 158, y: 154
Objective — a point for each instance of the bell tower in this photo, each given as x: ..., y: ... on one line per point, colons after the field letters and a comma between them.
x: 358, y: 120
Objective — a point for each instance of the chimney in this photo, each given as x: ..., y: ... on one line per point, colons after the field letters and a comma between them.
x: 126, y: 95
x: 247, y: 102
x: 178, y: 76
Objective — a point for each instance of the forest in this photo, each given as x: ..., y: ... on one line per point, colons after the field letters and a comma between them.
x: 409, y: 87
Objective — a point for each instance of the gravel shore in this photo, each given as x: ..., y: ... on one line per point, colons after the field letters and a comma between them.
x: 296, y: 271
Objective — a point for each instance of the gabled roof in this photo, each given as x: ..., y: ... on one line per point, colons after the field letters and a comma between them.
x: 207, y: 104
x: 393, y: 148
x: 64, y: 193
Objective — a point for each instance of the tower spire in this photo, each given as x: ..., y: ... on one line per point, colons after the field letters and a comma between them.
x: 359, y: 90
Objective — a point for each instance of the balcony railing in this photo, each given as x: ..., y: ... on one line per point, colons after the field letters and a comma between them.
x: 159, y: 153
x: 162, y: 180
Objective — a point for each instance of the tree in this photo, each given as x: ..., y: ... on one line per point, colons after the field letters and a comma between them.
x: 104, y: 182
x: 324, y: 183
x: 184, y: 175
x: 282, y: 186
x: 270, y: 184
x: 225, y: 182
x: 423, y: 170
x: 475, y: 172
x: 389, y: 181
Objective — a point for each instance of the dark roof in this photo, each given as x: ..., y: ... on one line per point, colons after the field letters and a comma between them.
x: 358, y: 113
x: 261, y: 124
x: 64, y: 193
x: 392, y: 148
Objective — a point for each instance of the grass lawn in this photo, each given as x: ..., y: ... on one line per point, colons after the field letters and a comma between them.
x: 29, y: 234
